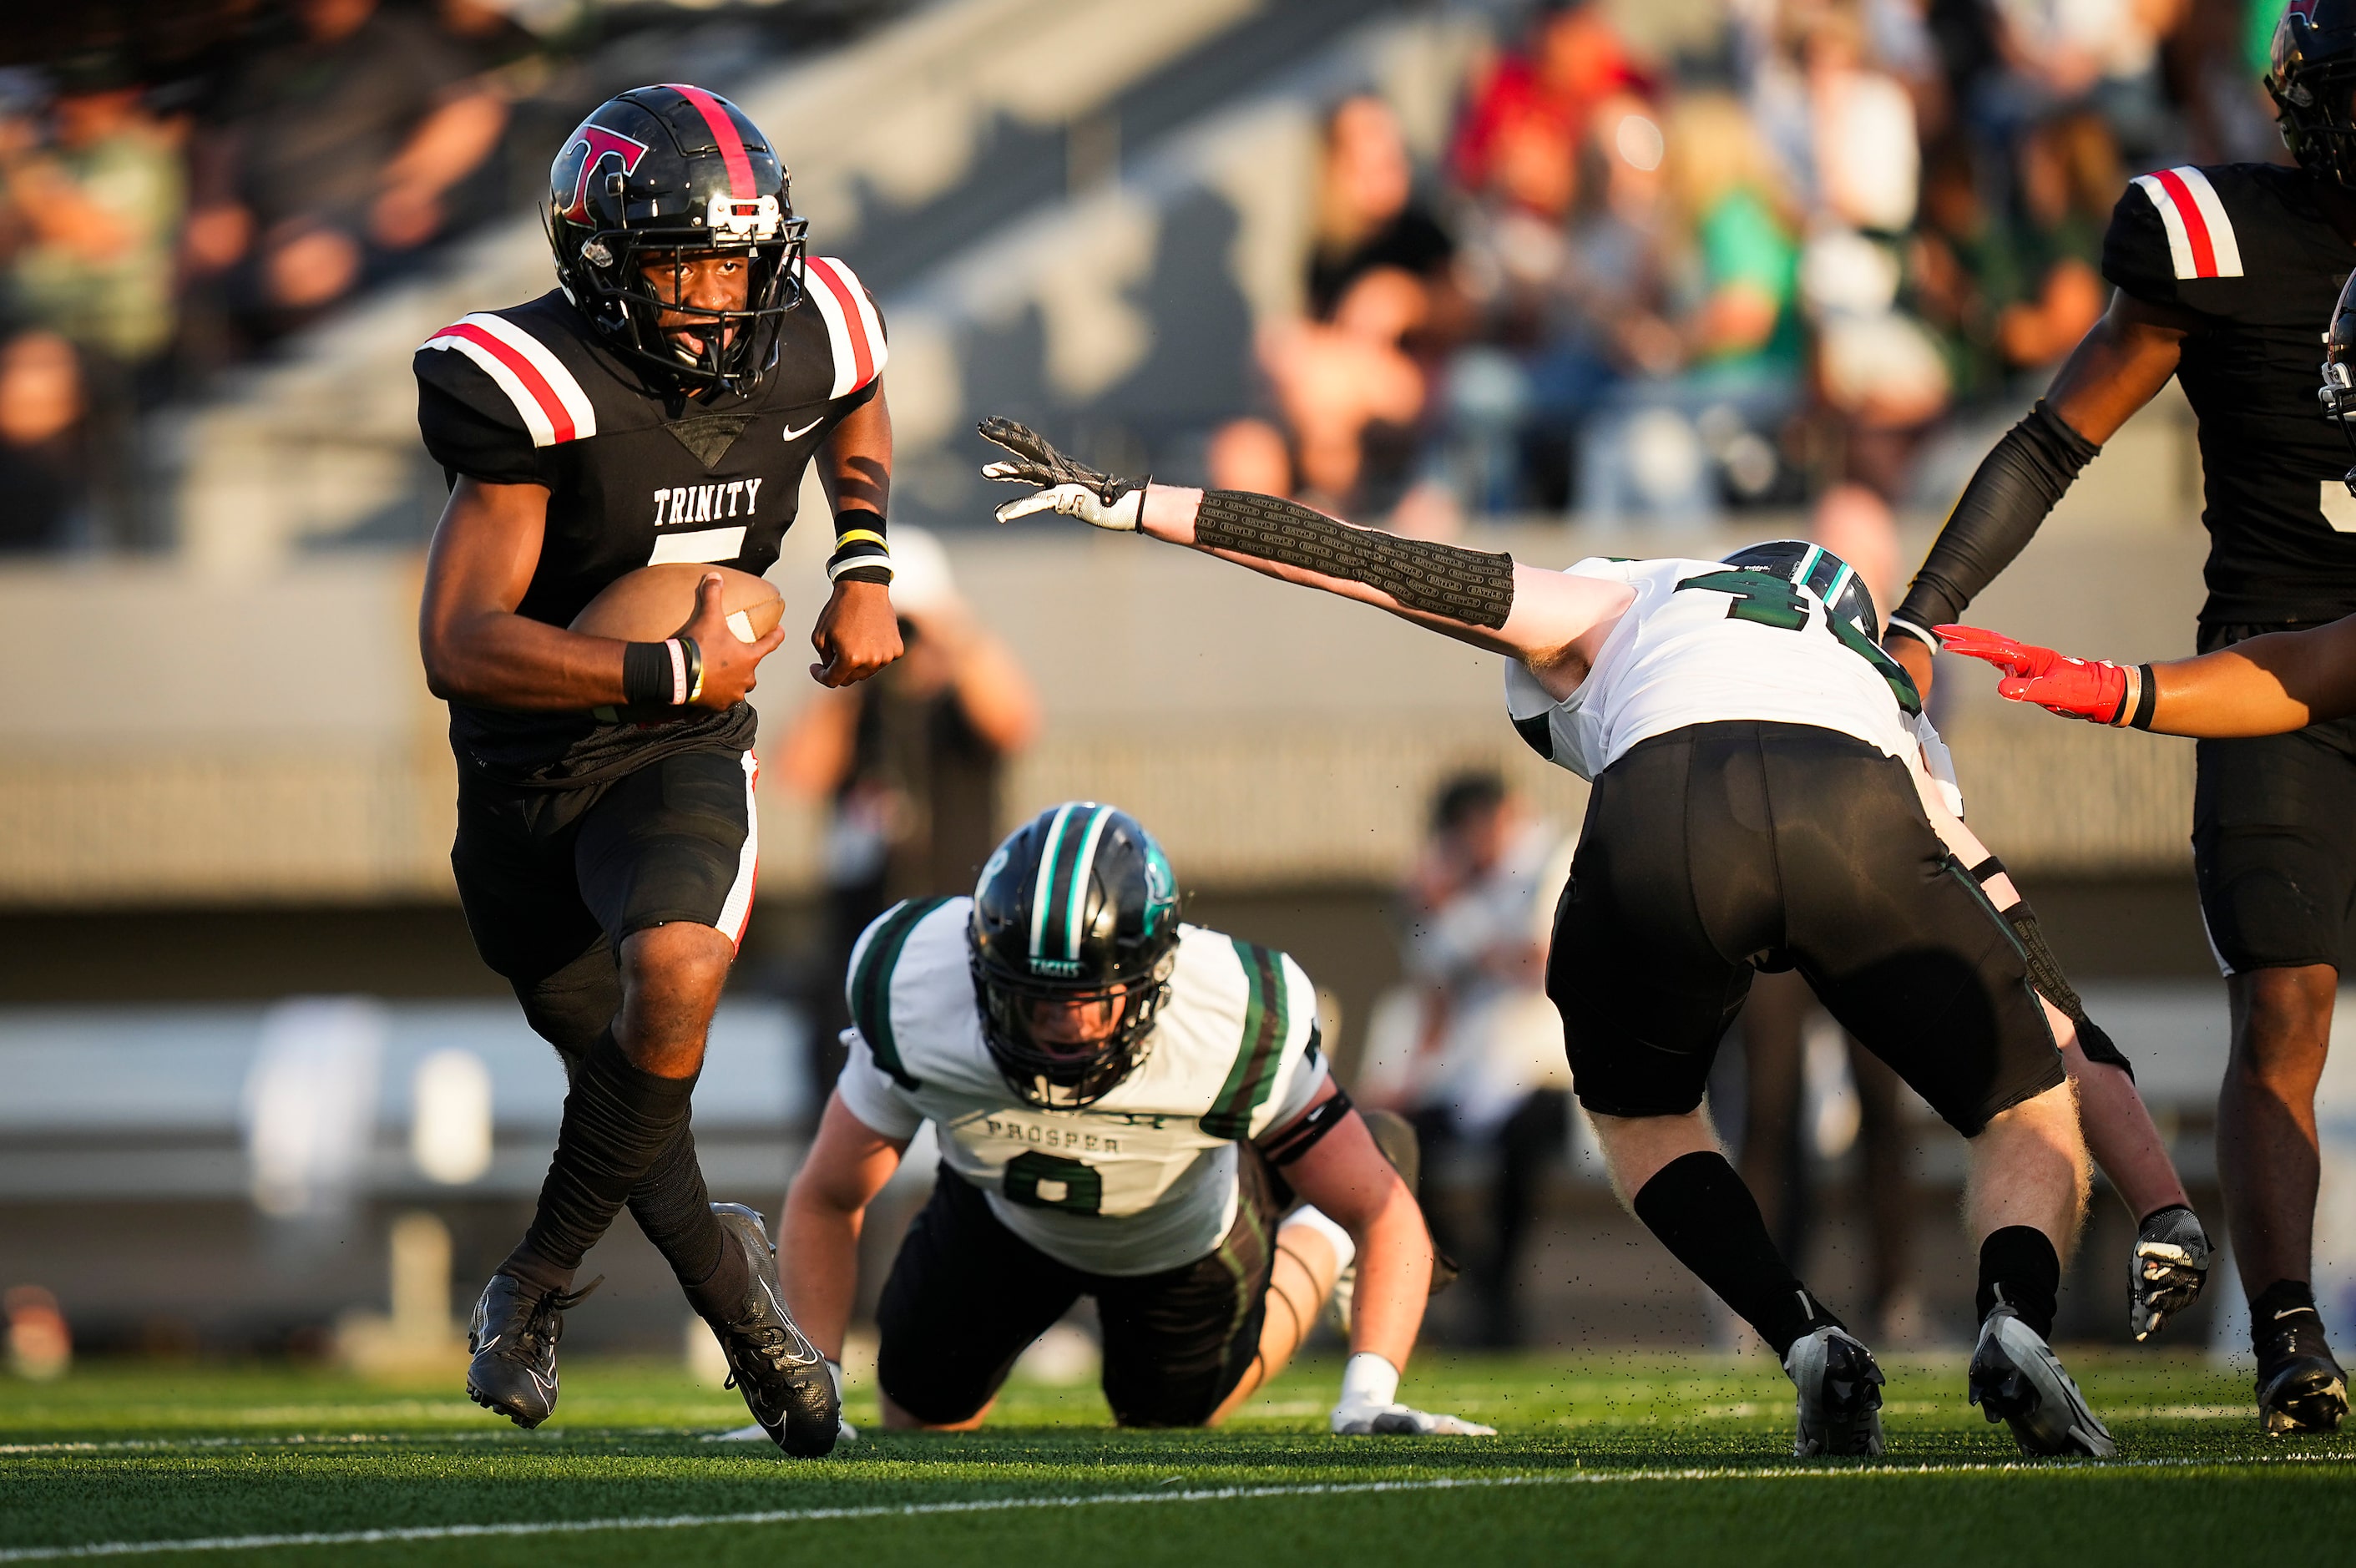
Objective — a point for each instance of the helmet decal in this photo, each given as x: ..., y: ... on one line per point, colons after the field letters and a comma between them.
x: 598, y: 144
x: 1161, y: 888
x: 1059, y: 905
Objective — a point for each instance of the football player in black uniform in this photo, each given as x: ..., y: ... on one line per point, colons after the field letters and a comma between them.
x: 659, y: 406
x: 2225, y: 276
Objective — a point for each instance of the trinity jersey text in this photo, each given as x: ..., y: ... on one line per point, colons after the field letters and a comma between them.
x: 1143, y: 1180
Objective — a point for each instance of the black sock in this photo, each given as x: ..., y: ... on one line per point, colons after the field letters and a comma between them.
x: 673, y: 1208
x: 2283, y: 1295
x: 618, y: 1120
x: 2019, y: 1268
x: 1708, y: 1220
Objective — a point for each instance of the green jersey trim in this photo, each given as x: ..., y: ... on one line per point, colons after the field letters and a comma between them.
x: 871, y: 984
x: 1267, y: 1025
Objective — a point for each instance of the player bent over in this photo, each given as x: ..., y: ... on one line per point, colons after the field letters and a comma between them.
x: 1128, y: 1107
x: 660, y: 405
x: 1756, y: 805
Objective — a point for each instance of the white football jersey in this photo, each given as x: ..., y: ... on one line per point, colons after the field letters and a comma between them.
x: 1141, y: 1181
x: 1704, y: 642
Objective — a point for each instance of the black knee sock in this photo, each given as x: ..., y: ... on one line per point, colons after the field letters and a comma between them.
x: 672, y: 1206
x: 2283, y: 1295
x: 2019, y: 1268
x: 618, y: 1120
x: 1708, y: 1219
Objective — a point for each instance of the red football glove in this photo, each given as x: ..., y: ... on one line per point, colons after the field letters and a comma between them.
x: 2089, y: 689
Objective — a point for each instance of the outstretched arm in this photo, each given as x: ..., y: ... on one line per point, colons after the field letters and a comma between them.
x: 1551, y: 622
x: 2281, y: 682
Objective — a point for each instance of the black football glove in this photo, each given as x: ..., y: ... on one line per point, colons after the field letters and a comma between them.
x: 2169, y: 1265
x: 1038, y: 461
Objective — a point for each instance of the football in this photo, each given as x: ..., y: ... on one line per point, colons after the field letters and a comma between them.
x: 653, y: 602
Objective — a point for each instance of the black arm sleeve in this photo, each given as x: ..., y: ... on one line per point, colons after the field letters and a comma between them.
x: 1999, y: 512
x: 1466, y: 585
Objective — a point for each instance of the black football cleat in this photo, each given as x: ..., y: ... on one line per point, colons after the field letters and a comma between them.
x: 1840, y: 1395
x: 783, y: 1377
x: 2015, y: 1378
x: 2300, y: 1388
x: 513, y: 1336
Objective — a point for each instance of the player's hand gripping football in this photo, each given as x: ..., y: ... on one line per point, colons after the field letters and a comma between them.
x: 1071, y: 487
x: 729, y: 661
x: 2169, y: 1265
x: 1369, y: 1407
x: 2089, y: 689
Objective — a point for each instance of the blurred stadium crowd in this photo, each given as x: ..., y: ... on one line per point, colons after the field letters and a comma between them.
x: 1758, y: 271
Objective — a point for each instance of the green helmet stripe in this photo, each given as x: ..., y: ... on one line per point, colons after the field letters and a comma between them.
x: 1043, y: 893
x: 1076, y: 910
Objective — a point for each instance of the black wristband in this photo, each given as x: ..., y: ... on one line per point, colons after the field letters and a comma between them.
x: 647, y: 679
x: 688, y: 647
x: 2146, y: 702
x: 860, y: 553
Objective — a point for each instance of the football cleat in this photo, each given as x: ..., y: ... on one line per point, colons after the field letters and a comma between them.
x: 2015, y: 1379
x: 784, y: 1379
x: 1840, y: 1395
x: 2300, y: 1388
x: 2167, y: 1269
x: 512, y: 1336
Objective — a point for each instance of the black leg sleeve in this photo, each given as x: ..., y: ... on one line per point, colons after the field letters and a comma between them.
x: 618, y: 1121
x: 673, y: 1208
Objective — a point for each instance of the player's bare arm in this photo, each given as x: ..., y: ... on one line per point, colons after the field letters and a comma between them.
x: 478, y: 650
x: 2119, y: 366
x: 857, y: 633
x: 826, y: 1206
x: 2272, y: 684
x: 1554, y: 624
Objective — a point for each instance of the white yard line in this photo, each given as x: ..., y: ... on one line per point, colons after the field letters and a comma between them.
x: 1004, y: 1505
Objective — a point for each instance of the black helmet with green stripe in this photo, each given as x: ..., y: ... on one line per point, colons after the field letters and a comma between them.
x: 1075, y: 933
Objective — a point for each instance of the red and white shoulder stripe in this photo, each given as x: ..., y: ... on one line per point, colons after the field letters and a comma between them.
x: 546, y: 395
x: 852, y: 328
x: 2199, y: 236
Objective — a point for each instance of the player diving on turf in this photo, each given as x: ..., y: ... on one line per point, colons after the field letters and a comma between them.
x: 1130, y: 1108
x: 1762, y: 799
x: 2223, y: 273
x: 659, y: 406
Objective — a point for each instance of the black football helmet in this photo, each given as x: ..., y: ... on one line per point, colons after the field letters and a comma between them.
x: 1822, y: 572
x: 2312, y: 78
x: 1078, y: 906
x: 661, y: 173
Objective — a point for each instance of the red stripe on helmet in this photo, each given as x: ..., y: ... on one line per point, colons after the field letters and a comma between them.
x: 724, y: 132
x: 862, y: 355
x: 2196, y: 228
x: 559, y: 418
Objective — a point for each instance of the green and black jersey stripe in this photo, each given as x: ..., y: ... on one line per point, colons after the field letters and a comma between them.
x: 871, y: 983
x: 1266, y: 1025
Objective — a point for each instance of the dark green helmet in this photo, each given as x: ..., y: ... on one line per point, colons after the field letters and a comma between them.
x: 1077, y: 907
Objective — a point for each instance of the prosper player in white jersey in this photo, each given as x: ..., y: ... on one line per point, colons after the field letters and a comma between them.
x: 1760, y: 801
x: 1127, y: 1108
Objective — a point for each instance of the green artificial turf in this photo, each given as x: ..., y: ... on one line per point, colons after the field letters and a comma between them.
x: 1666, y: 1462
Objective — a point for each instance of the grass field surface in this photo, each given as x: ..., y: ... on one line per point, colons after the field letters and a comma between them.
x: 1666, y: 1462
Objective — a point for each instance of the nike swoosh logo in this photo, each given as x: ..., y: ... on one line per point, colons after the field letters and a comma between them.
x: 793, y: 434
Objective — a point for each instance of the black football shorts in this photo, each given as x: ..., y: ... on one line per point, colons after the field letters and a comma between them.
x: 1721, y: 849
x: 2273, y: 839
x: 967, y: 1296
x: 552, y: 880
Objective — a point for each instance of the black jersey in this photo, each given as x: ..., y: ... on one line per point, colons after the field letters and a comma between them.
x: 2250, y: 250
x: 530, y: 395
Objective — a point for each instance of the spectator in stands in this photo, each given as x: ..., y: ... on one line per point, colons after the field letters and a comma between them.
x: 1469, y: 1048
x: 909, y: 765
x: 1665, y: 447
x: 346, y: 142
x: 44, y: 462
x: 1573, y: 62
x: 1250, y: 454
x: 1368, y: 216
x: 1349, y: 391
x: 97, y: 205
